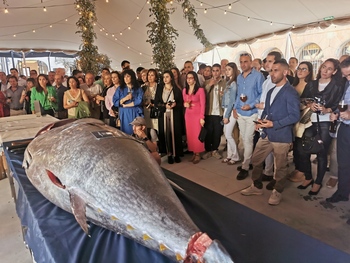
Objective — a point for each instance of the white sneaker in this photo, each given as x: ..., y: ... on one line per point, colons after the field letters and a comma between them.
x: 252, y: 190
x: 275, y: 198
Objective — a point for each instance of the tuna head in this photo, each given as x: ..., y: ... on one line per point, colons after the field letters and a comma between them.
x: 106, y: 177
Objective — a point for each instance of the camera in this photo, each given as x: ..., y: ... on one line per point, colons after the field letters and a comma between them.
x: 170, y: 102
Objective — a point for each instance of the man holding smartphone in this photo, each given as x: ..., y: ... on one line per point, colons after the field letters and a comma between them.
x: 282, y: 111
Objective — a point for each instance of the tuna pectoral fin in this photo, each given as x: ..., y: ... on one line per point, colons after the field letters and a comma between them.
x: 79, y: 210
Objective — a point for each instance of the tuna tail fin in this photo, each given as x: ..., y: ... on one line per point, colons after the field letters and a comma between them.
x: 79, y: 210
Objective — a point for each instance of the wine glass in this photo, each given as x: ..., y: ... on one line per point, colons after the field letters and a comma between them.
x: 243, y: 97
x: 342, y: 106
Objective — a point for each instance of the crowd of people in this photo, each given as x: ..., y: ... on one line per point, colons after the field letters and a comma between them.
x: 264, y: 110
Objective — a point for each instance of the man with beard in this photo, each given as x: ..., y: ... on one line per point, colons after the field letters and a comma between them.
x: 282, y: 111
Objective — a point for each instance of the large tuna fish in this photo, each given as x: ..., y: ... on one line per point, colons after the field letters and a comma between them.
x: 104, y: 176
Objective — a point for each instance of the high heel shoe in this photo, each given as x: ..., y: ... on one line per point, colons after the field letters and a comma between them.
x: 303, y: 187
x: 315, y: 193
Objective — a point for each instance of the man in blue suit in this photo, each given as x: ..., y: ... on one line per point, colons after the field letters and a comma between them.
x: 281, y: 112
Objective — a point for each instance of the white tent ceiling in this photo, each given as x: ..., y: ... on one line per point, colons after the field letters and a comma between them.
x: 115, y: 16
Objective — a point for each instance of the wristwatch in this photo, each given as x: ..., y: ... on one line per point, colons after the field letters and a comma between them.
x: 145, y: 139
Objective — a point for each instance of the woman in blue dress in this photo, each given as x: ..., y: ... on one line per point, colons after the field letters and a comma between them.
x: 128, y: 98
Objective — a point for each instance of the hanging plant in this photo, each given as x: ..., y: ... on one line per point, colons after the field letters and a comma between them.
x: 90, y: 59
x: 162, y: 34
x: 191, y: 15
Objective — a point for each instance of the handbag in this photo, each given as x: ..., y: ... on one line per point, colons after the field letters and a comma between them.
x: 312, y: 143
x: 155, y: 112
x: 82, y: 110
x: 202, y: 134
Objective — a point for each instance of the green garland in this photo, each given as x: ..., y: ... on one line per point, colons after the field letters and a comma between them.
x: 190, y: 14
x: 162, y: 34
x: 90, y: 59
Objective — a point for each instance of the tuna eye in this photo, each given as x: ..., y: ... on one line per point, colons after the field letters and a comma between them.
x: 54, y: 179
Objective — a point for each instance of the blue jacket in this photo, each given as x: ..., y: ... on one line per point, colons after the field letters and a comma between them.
x: 284, y: 112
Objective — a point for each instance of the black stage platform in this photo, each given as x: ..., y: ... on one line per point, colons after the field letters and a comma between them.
x: 55, y: 236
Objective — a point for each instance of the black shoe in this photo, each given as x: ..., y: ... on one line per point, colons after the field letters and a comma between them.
x: 170, y: 159
x: 270, y: 186
x: 266, y: 178
x: 239, y: 168
x: 243, y: 174
x: 177, y: 159
x: 306, y: 186
x: 337, y: 198
x: 315, y: 193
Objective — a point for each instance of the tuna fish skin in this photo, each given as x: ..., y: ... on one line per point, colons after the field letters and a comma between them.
x: 102, y: 175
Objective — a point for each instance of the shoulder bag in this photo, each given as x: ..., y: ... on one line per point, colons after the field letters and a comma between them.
x: 312, y: 143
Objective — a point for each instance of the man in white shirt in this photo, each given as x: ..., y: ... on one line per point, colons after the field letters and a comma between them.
x: 266, y: 86
x: 92, y: 89
x: 21, y: 82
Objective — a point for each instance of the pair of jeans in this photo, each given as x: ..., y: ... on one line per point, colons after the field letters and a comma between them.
x: 304, y: 163
x: 232, y: 152
x: 247, y: 129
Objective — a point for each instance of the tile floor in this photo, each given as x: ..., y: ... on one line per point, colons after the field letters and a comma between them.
x: 307, y: 214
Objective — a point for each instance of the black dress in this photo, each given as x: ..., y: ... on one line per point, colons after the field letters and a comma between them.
x: 173, y: 143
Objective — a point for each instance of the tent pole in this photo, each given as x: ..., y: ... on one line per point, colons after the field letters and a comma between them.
x: 48, y: 59
x: 13, y: 60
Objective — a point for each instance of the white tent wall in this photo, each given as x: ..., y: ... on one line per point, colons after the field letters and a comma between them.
x: 26, y: 26
x: 331, y: 40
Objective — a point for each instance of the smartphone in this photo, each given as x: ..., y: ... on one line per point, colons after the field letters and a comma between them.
x: 257, y: 122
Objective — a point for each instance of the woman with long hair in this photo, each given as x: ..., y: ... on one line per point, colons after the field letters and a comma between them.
x: 327, y: 92
x: 177, y: 74
x: 228, y: 101
x: 303, y: 75
x: 112, y: 110
x: 169, y: 98
x: 150, y: 89
x: 73, y: 96
x: 194, y: 102
x: 28, y: 91
x: 128, y: 98
x: 45, y: 94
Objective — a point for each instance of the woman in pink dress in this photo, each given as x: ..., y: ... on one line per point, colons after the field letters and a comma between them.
x: 194, y: 102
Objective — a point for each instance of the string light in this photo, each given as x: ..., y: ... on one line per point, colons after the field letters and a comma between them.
x: 129, y: 27
x: 271, y: 23
x: 205, y: 11
x: 107, y: 1
x: 137, y: 17
x: 248, y: 18
x: 293, y: 26
x: 121, y: 33
x: 50, y: 26
x: 33, y: 30
x: 78, y: 6
x: 201, y: 3
x: 225, y: 12
x: 14, y: 35
x: 45, y: 9
x: 186, y: 9
x: 229, y: 6
x: 6, y: 11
